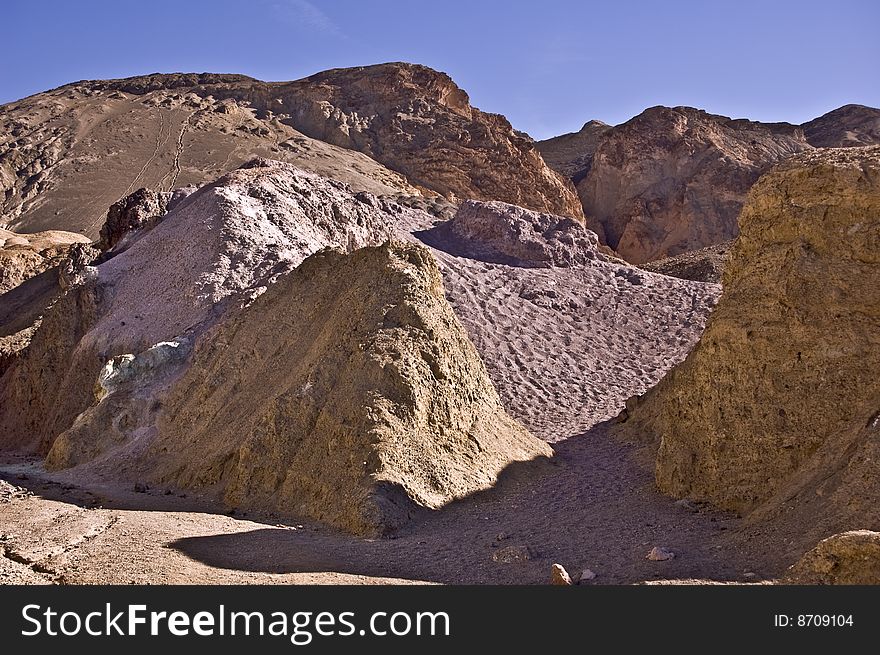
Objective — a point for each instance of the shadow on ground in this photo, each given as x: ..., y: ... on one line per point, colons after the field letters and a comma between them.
x: 592, y: 506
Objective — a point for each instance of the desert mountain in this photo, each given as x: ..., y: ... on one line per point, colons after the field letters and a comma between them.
x: 67, y: 154
x: 846, y: 127
x: 572, y: 154
x: 672, y: 180
x: 775, y: 410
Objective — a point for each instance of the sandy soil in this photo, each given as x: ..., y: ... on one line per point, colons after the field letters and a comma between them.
x: 565, y: 347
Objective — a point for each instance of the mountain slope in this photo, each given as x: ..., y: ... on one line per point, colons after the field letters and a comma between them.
x: 67, y: 154
x: 845, y: 127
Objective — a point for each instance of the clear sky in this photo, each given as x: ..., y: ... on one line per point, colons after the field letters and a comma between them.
x: 548, y: 65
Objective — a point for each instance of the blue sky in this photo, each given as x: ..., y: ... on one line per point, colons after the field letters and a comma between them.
x: 549, y: 66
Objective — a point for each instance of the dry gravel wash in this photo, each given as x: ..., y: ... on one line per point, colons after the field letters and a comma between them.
x: 593, y: 507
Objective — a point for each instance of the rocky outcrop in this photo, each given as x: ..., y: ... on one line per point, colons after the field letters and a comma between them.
x: 703, y: 265
x: 571, y: 155
x: 672, y: 180
x: 30, y: 268
x: 132, y: 214
x: 22, y: 256
x: 846, y: 127
x: 347, y: 392
x: 849, y: 558
x: 419, y: 122
x: 506, y: 233
x: 214, y: 252
x: 775, y: 411
x: 383, y: 129
x: 219, y: 352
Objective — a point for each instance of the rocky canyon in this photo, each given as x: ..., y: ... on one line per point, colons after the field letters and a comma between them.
x: 352, y: 329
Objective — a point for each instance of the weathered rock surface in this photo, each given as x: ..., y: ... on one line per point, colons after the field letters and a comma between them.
x: 703, y: 265
x: 517, y: 236
x: 775, y: 411
x: 132, y: 214
x: 559, y: 576
x: 674, y: 179
x: 23, y: 256
x: 419, y: 122
x: 849, y: 558
x: 214, y: 252
x: 67, y: 154
x: 571, y: 154
x: 845, y: 127
x: 347, y: 392
x: 215, y: 353
x: 29, y: 283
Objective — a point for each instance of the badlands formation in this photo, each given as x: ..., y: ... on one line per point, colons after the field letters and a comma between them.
x: 672, y: 180
x: 352, y: 329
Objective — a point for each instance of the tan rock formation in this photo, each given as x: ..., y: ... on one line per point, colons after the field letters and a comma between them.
x: 28, y: 284
x: 347, y: 392
x: 849, y: 558
x: 776, y: 408
x: 216, y: 251
x: 23, y: 256
x: 674, y: 179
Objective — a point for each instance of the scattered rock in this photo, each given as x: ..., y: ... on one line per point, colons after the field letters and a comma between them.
x: 559, y: 576
x: 659, y: 554
x: 849, y: 558
x: 703, y: 265
x: 9, y: 492
x: 512, y: 554
x: 140, y: 488
x: 586, y: 576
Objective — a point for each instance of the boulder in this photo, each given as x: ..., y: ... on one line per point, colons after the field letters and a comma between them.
x: 849, y: 558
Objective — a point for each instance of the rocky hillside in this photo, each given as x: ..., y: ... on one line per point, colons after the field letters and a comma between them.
x: 147, y: 368
x: 572, y: 154
x: 23, y: 256
x: 67, y: 154
x: 775, y: 411
x: 846, y: 127
x: 672, y: 180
